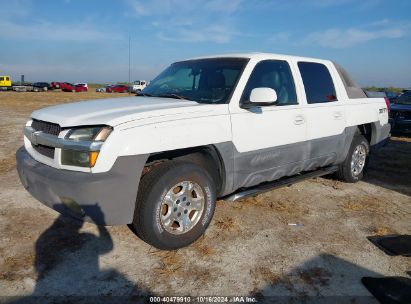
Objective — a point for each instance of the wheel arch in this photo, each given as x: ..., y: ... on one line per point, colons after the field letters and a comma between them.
x: 366, y: 130
x: 373, y: 132
x: 208, y: 157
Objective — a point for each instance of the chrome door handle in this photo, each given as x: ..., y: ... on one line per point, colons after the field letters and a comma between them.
x: 299, y: 119
x: 337, y: 115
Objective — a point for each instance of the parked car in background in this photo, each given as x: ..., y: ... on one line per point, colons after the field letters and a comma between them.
x: 118, y: 88
x: 68, y: 87
x: 82, y: 84
x: 138, y: 86
x: 5, y: 83
x: 23, y: 87
x: 392, y: 96
x: 400, y: 114
x: 41, y: 86
x: 101, y: 90
x: 56, y: 84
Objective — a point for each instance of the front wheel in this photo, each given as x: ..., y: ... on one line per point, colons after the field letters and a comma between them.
x: 175, y: 204
x: 352, y: 169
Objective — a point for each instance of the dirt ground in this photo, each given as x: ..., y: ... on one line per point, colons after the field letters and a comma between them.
x: 250, y: 247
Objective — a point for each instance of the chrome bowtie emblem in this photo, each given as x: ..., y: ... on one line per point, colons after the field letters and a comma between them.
x: 33, y: 137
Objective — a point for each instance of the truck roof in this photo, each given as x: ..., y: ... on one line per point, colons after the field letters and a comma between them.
x: 257, y: 55
x: 353, y: 90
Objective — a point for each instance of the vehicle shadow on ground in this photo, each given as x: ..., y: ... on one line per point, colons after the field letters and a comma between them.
x: 323, y: 279
x: 390, y: 166
x: 67, y: 264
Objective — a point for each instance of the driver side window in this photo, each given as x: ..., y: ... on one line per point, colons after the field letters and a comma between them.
x: 274, y: 74
x: 183, y: 79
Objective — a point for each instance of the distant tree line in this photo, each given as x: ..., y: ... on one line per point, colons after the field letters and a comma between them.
x: 383, y: 89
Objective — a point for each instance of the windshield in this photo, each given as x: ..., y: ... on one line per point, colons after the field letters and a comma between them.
x: 203, y: 80
x: 404, y: 98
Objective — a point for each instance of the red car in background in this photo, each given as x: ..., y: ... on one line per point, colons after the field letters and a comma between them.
x: 68, y: 87
x: 56, y: 84
x: 118, y: 88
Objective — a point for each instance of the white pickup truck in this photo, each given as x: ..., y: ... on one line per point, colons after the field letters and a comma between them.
x: 138, y: 86
x: 206, y: 128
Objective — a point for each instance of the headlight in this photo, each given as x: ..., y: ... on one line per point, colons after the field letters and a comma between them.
x: 97, y: 133
x: 78, y: 158
x: 88, y: 134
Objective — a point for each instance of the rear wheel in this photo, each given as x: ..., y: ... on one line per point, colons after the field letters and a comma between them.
x: 352, y: 169
x: 175, y: 204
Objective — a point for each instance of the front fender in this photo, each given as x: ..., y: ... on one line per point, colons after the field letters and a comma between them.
x: 159, y: 136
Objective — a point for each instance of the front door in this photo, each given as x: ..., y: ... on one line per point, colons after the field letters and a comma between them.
x: 269, y: 140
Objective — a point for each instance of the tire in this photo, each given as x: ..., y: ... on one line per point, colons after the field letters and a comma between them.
x: 354, y: 165
x: 163, y: 204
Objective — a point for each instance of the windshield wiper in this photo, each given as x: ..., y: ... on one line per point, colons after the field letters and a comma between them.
x: 172, y: 95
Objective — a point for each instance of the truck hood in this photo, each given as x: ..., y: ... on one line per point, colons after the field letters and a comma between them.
x: 116, y: 111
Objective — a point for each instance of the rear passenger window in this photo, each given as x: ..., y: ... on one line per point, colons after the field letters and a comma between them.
x: 319, y: 86
x: 274, y: 74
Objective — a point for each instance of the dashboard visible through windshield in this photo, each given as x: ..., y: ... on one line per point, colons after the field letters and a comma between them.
x: 204, y: 80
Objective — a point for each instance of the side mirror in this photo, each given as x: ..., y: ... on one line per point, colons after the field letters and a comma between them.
x: 261, y: 97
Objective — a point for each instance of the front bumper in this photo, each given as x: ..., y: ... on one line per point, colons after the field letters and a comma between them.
x: 103, y: 198
x: 401, y: 125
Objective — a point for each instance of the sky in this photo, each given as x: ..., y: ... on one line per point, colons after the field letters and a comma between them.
x: 87, y: 41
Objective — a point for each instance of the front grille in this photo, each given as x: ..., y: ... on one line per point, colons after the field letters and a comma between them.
x: 406, y: 115
x: 49, y: 128
x: 44, y: 150
x: 46, y: 127
x: 400, y: 115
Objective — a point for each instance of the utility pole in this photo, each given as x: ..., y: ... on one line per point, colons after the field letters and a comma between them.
x: 129, y: 64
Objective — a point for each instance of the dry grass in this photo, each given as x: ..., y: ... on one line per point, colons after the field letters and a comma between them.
x: 265, y: 274
x: 284, y: 205
x: 11, y: 264
x: 173, y: 264
x: 271, y: 278
x: 353, y: 206
x: 26, y: 102
x: 400, y: 138
x: 335, y: 184
x: 227, y: 224
x: 203, y: 249
x: 382, y: 230
x: 315, y: 276
x: 7, y: 164
x: 170, y: 262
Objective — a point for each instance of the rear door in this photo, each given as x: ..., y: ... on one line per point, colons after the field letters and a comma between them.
x: 269, y: 140
x: 324, y: 111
